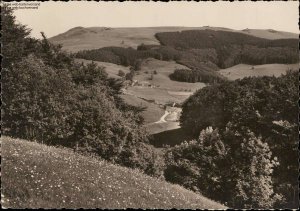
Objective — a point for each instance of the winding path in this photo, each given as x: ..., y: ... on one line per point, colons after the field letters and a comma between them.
x: 162, y: 119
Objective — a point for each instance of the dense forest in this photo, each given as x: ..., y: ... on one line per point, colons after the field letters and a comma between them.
x: 215, y: 38
x: 51, y: 99
x: 249, y: 133
x: 192, y: 76
x: 233, y: 48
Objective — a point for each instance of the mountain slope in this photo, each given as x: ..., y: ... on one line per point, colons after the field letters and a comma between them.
x: 243, y: 70
x: 80, y: 38
x: 39, y: 176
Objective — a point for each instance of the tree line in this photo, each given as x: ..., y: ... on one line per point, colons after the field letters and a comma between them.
x: 245, y: 148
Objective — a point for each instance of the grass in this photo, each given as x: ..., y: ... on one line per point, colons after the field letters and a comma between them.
x: 270, y: 34
x: 157, y: 95
x: 39, y: 176
x: 80, y: 38
x: 164, y: 90
x: 244, y: 70
x: 158, y: 128
x: 152, y: 113
x: 161, y: 79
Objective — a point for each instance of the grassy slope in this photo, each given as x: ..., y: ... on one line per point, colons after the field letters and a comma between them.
x: 152, y: 111
x: 80, y: 38
x: 161, y: 79
x: 270, y: 34
x: 244, y: 70
x: 97, y: 37
x: 165, y: 90
x: 161, y: 127
x: 39, y: 176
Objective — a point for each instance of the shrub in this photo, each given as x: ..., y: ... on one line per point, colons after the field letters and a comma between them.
x: 130, y: 75
x: 37, y: 100
x: 50, y: 98
x: 225, y: 167
x: 121, y: 73
x: 253, y: 103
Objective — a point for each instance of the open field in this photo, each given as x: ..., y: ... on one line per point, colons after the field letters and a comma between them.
x: 111, y: 69
x: 161, y: 79
x: 244, y: 70
x: 161, y: 127
x: 157, y: 95
x: 80, y: 38
x: 39, y: 176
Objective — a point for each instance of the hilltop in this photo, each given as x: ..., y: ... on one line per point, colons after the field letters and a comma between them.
x: 40, y: 176
x: 80, y: 38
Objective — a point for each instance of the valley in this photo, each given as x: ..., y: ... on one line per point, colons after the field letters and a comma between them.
x: 156, y: 93
x: 149, y: 117
x: 151, y: 87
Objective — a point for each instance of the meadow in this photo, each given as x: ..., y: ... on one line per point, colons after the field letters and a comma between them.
x: 40, y: 176
x: 244, y: 70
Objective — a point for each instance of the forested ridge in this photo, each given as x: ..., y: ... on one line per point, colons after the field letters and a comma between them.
x: 204, y: 51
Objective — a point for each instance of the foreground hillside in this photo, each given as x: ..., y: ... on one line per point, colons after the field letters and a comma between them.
x: 39, y: 176
x: 80, y: 38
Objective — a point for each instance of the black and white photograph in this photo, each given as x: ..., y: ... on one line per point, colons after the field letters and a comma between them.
x: 149, y: 105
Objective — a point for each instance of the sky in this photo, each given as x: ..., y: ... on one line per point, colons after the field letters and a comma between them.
x: 57, y: 17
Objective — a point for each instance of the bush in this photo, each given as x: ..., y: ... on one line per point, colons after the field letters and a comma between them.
x: 254, y: 103
x: 121, y: 73
x: 51, y: 99
x: 225, y: 167
x: 130, y: 75
x: 37, y: 100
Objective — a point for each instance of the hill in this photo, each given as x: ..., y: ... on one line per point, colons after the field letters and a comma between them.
x: 80, y: 38
x: 202, y: 51
x: 233, y: 48
x: 39, y: 176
